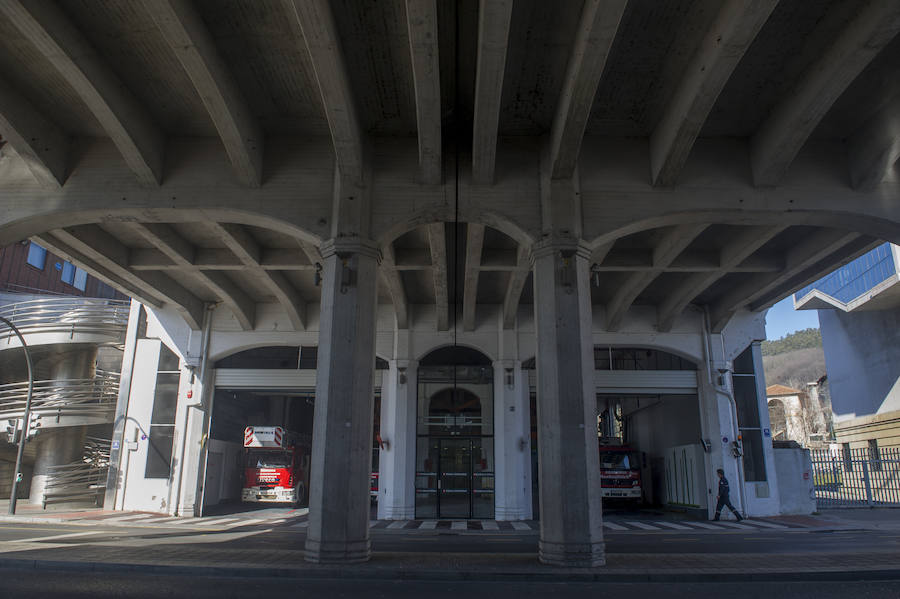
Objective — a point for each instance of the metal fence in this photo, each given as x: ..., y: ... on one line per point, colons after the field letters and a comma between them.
x: 80, y: 481
x: 862, y: 477
x: 90, y: 398
x: 66, y: 315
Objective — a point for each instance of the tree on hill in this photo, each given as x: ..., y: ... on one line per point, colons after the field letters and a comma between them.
x: 807, y: 338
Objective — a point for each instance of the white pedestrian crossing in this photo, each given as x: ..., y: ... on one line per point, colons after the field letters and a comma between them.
x: 613, y: 526
x: 129, y: 518
x: 214, y: 522
x: 673, y: 525
x: 304, y: 524
x: 642, y: 525
x: 398, y: 524
x: 520, y: 525
x: 736, y: 525
x: 706, y: 525
x: 459, y: 525
x: 428, y: 525
x: 490, y: 525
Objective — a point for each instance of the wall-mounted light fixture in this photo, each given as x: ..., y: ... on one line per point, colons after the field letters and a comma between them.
x: 401, y: 378
x: 509, y: 377
x: 346, y: 272
x: 317, y: 277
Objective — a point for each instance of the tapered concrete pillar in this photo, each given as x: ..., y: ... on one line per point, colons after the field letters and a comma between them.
x: 571, y: 512
x: 397, y: 465
x: 342, y: 428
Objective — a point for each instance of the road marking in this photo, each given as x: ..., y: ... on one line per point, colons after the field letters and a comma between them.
x: 736, y: 525
x: 490, y: 525
x: 279, y: 521
x: 245, y: 523
x: 169, y: 519
x: 765, y: 524
x: 642, y: 525
x: 459, y: 525
x: 129, y: 517
x: 520, y: 526
x: 303, y: 524
x: 706, y: 525
x: 673, y: 525
x: 613, y: 526
x: 219, y: 521
x: 55, y: 537
x: 428, y: 525
x: 372, y: 523
x: 397, y: 524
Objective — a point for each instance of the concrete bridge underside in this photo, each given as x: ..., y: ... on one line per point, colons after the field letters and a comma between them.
x: 425, y: 154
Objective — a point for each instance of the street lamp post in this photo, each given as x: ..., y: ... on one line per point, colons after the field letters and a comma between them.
x: 25, y: 419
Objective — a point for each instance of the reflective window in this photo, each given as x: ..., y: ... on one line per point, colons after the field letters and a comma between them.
x: 746, y: 399
x: 638, y: 358
x: 37, y: 256
x: 856, y: 278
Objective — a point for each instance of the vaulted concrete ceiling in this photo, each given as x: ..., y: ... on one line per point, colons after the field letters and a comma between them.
x: 450, y: 92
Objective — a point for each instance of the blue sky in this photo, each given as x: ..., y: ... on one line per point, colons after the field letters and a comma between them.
x: 782, y: 319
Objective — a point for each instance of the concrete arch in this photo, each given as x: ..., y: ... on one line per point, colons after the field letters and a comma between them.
x: 670, y: 349
x: 422, y: 355
x: 444, y: 214
x: 44, y: 222
x: 882, y: 228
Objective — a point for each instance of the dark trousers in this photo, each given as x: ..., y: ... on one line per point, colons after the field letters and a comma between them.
x: 726, y: 502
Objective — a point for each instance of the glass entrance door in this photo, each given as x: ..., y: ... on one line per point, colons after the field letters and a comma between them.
x: 455, y: 476
x: 455, y: 480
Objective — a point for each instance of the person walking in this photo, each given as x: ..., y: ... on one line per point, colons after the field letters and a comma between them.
x: 723, y: 500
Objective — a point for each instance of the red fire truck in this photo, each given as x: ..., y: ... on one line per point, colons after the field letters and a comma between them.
x: 276, y: 465
x: 620, y: 472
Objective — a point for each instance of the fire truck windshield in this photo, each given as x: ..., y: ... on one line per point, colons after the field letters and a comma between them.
x: 268, y: 459
x: 617, y: 460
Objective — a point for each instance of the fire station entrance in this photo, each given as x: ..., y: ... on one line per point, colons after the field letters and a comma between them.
x: 455, y: 435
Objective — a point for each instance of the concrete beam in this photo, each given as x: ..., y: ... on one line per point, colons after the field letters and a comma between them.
x: 181, y: 252
x: 238, y: 240
x: 734, y: 29
x: 108, y: 252
x: 599, y: 23
x: 811, y: 250
x: 421, y: 20
x: 793, y: 120
x: 474, y: 245
x: 42, y: 145
x: 631, y: 260
x: 391, y: 277
x: 515, y: 286
x: 315, y: 22
x: 874, y: 149
x: 127, y: 123
x: 190, y: 40
x: 219, y: 259
x: 437, y: 242
x: 671, y: 245
x: 64, y: 250
x: 494, y: 17
x: 736, y: 251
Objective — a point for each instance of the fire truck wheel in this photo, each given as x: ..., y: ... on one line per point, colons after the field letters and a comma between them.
x: 301, y: 492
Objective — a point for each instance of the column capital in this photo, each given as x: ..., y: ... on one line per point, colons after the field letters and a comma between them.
x: 404, y: 363
x: 351, y: 245
x: 506, y: 363
x: 570, y: 246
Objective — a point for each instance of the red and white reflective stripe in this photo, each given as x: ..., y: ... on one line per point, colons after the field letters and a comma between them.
x: 248, y: 434
x: 278, y: 433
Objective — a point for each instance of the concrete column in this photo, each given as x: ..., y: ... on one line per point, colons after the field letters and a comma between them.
x: 396, y: 492
x: 512, y: 443
x: 58, y: 446
x: 571, y: 512
x: 342, y: 428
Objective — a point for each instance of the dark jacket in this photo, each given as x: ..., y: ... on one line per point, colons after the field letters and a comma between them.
x: 723, y: 487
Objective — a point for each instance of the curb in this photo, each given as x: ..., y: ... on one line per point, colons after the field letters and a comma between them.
x: 361, y: 573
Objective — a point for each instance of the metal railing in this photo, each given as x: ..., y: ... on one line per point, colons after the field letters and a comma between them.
x: 67, y: 315
x: 856, y: 477
x: 80, y: 481
x: 94, y: 398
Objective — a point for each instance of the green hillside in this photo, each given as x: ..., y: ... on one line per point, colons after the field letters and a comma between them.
x: 805, y: 339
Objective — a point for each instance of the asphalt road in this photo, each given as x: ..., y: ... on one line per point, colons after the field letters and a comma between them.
x: 76, y: 585
x: 632, y: 542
